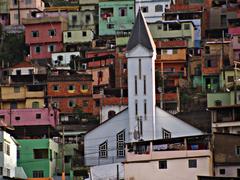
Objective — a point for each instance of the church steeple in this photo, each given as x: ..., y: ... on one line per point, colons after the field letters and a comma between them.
x: 141, y: 54
x: 140, y: 34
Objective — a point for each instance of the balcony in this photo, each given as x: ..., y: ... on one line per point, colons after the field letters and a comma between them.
x: 169, y: 148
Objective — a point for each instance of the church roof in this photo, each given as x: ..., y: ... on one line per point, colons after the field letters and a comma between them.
x: 140, y: 34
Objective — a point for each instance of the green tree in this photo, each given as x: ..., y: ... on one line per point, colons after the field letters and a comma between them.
x: 12, y: 49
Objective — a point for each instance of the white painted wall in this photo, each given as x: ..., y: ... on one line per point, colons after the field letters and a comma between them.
x: 230, y: 171
x: 151, y: 15
x: 105, y: 172
x: 8, y: 161
x: 176, y: 169
x: 24, y: 70
x: 177, y: 127
x: 66, y: 57
x: 148, y: 69
x: 106, y: 109
x: 107, y: 131
x: 55, y: 149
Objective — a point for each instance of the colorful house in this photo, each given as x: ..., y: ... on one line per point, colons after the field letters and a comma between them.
x: 153, y: 10
x: 22, y: 96
x: 44, y: 36
x: 171, y: 62
x: 234, y: 30
x: 38, y: 157
x: 216, y: 57
x: 115, y: 15
x: 70, y: 92
x: 170, y: 30
x: 24, y: 9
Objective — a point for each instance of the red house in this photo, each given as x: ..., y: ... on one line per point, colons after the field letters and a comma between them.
x: 44, y: 36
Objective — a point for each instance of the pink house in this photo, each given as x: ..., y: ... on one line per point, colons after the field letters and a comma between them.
x: 29, y: 117
x: 44, y: 36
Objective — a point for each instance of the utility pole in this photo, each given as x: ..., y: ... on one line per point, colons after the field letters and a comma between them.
x: 63, y: 159
x: 18, y: 12
x: 117, y: 172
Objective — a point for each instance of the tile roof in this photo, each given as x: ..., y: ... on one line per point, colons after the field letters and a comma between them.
x: 23, y: 64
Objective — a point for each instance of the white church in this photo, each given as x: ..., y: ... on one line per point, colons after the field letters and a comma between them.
x: 142, y: 120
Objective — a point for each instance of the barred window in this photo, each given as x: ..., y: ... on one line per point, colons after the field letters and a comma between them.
x: 103, y: 150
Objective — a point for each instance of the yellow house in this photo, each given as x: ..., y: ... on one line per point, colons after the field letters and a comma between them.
x: 21, y: 96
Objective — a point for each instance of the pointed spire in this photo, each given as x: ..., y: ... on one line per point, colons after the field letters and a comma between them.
x: 140, y: 34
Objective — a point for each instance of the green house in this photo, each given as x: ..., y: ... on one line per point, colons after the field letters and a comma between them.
x: 38, y: 157
x: 115, y: 15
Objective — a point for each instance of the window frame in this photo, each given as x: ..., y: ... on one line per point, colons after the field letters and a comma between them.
x: 162, y: 164
x: 120, y: 144
x: 103, y: 150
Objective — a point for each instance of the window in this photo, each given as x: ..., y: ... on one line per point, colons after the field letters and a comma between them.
x: 51, y: 48
x: 158, y: 8
x: 103, y: 150
x: 165, y: 27
x: 38, y: 174
x: 174, y: 51
x: 18, y: 72
x: 144, y: 9
x: 85, y: 103
x: 16, y: 89
x: 69, y: 34
x: 13, y: 105
x: 8, y: 172
x: 192, y: 163
x: 123, y: 11
x: 71, y: 104
x: 35, y: 34
x: 15, y: 2
x: 186, y: 26
x: 52, y: 32
x: 67, y: 159
x: 1, y: 146
x: 135, y: 85
x: 222, y: 171
x: 50, y: 155
x: 87, y: 18
x: 163, y: 164
x: 55, y: 87
x: 6, y: 148
x: 166, y: 134
x: 97, y: 102
x: 1, y: 171
x: 230, y: 79
x: 223, y: 20
x: 145, y: 109
x: 84, y: 33
x: 144, y: 85
x: 28, y: 1
x: 110, y: 26
x: 40, y: 153
x: 238, y: 172
x: 237, y: 150
x: 71, y: 88
x: 17, y: 118
x: 38, y: 116
x: 74, y: 19
x: 84, y: 87
x: 159, y: 27
x: 136, y: 107
x: 16, y: 16
x: 30, y: 71
x: 140, y: 68
x: 111, y: 114
x: 121, y: 144
x: 207, y: 50
x: 37, y: 49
